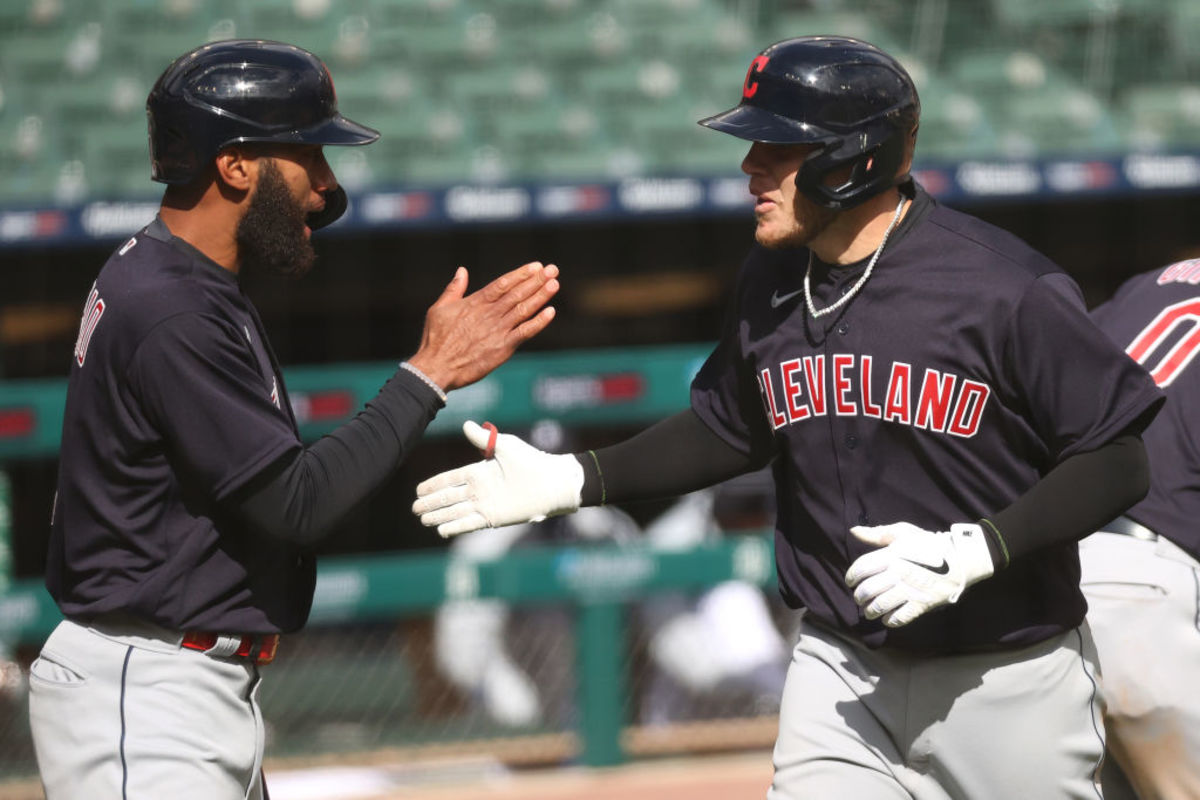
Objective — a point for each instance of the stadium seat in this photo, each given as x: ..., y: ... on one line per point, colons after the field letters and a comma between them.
x: 836, y: 22
x: 600, y: 86
x: 116, y: 156
x: 508, y: 88
x: 954, y: 124
x: 1057, y: 120
x: 1160, y: 116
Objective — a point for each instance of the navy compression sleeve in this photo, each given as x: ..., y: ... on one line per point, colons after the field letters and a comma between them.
x: 304, y: 494
x: 675, y: 456
x: 1074, y: 499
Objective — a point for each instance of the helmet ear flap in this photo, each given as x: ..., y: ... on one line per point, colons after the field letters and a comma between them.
x: 871, y: 172
x: 336, y: 203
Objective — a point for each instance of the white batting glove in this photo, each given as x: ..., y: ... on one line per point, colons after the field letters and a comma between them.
x: 915, y: 570
x: 515, y: 483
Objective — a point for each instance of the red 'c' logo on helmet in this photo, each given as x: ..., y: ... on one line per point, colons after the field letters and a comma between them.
x: 756, y: 66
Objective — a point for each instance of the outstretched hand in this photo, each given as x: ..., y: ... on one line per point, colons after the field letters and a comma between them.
x: 467, y: 336
x: 516, y: 483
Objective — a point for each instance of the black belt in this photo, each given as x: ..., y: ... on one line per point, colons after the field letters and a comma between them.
x: 1126, y: 526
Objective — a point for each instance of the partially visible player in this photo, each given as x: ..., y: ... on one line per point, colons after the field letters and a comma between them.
x: 1141, y: 573
x: 945, y: 423
x: 720, y: 643
x: 187, y: 510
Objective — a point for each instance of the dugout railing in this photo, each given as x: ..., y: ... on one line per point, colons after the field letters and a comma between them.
x: 597, y: 584
x: 361, y: 667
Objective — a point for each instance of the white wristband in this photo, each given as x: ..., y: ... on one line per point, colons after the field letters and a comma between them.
x: 425, y: 378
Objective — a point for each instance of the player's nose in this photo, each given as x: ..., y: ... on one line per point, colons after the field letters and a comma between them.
x: 321, y: 175
x: 752, y: 164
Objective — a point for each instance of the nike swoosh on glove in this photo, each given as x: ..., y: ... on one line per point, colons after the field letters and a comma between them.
x: 915, y: 570
x: 518, y: 484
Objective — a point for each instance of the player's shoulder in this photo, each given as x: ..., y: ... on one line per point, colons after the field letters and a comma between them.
x: 149, y: 278
x: 1180, y: 278
x: 1147, y: 293
x: 975, y: 243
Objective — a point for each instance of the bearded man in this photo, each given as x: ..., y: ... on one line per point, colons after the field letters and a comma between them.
x: 187, y: 506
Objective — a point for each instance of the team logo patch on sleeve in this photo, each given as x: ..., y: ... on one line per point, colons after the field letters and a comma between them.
x: 275, y: 392
x: 92, y: 311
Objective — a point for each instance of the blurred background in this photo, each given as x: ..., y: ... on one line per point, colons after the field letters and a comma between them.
x: 562, y: 131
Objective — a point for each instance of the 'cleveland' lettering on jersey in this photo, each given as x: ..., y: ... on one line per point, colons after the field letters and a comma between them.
x: 803, y: 388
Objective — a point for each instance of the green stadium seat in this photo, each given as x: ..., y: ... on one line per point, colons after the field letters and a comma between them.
x: 560, y: 88
x: 671, y: 139
x: 378, y: 90
x: 27, y: 183
x: 1162, y: 116
x: 717, y: 83
x: 631, y: 84
x: 97, y: 96
x: 116, y: 157
x: 954, y: 124
x: 854, y: 24
x: 545, y: 127
x: 581, y: 163
x: 26, y: 137
x: 572, y: 43
x: 1183, y: 36
x: 446, y: 165
x: 35, y: 55
x: 508, y: 87
x: 413, y: 13
x: 529, y: 12
x: 149, y: 17
x: 706, y: 35
x: 1060, y: 120
x: 418, y: 132
x: 660, y: 13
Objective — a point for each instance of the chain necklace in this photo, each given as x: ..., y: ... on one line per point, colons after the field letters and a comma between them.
x: 812, y: 309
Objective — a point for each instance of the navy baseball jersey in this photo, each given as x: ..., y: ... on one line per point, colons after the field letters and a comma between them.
x: 1155, y: 316
x: 174, y: 402
x: 963, y: 371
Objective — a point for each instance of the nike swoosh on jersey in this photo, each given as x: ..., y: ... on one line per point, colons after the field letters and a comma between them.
x: 941, y: 569
x: 777, y: 300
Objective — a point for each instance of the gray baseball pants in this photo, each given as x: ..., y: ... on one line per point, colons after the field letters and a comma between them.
x: 122, y: 712
x: 1144, y: 606
x: 889, y: 725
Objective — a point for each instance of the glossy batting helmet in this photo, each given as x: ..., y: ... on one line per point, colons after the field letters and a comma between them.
x: 848, y: 96
x: 243, y: 90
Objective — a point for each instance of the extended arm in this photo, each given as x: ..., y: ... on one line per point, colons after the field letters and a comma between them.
x: 305, y: 493
x: 678, y: 455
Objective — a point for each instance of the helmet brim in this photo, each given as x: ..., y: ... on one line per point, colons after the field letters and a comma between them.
x: 340, y: 131
x: 756, y: 124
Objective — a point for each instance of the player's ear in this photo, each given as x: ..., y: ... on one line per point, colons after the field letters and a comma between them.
x: 234, y: 168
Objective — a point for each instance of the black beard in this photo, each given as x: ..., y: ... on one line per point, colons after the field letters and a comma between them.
x: 270, y: 236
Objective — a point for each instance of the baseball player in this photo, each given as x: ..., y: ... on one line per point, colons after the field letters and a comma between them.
x: 1141, y: 575
x: 945, y: 423
x: 187, y: 507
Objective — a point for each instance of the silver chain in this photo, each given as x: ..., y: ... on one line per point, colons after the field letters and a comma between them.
x: 812, y: 309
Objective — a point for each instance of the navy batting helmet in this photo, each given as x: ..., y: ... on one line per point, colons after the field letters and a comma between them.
x: 848, y: 96
x: 241, y: 90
